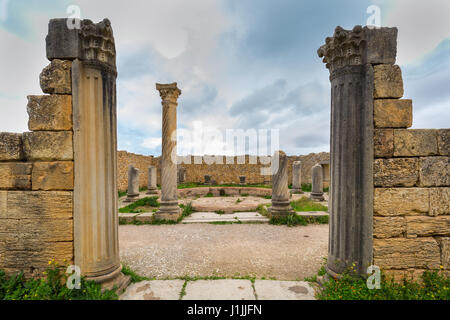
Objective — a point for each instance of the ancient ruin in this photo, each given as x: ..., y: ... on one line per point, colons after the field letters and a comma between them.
x: 317, y: 183
x: 133, y: 184
x: 297, y: 177
x: 169, y: 209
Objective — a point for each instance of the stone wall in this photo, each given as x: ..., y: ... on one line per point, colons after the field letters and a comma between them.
x: 37, y: 180
x: 221, y: 173
x: 411, y: 174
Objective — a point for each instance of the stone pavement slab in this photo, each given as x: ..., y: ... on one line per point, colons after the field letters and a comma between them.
x: 154, y: 290
x: 219, y: 290
x: 145, y: 217
x: 228, y: 204
x: 208, y: 217
x: 283, y: 290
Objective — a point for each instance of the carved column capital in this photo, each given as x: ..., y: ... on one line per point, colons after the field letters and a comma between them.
x: 359, y: 46
x: 169, y: 93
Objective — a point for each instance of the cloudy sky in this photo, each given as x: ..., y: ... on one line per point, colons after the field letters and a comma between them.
x: 241, y: 64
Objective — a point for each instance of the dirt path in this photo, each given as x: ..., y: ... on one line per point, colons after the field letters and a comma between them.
x: 259, y: 250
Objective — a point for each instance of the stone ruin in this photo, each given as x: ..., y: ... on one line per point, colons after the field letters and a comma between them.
x: 389, y: 185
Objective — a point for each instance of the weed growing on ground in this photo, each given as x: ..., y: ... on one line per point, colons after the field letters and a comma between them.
x: 133, y: 208
x: 126, y: 270
x: 51, y: 287
x: 304, y: 204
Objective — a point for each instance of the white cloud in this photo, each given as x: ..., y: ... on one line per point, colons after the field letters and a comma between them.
x: 422, y: 26
x: 151, y: 143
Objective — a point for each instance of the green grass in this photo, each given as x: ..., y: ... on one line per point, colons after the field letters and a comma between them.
x: 304, y: 204
x: 434, y: 286
x: 122, y: 193
x: 293, y: 220
x: 187, y: 211
x: 52, y: 287
x: 238, y: 201
x: 306, y: 187
x: 126, y: 270
x: 144, y: 202
x: 220, y: 212
x: 209, y: 195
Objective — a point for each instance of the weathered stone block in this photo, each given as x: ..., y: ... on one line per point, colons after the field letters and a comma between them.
x: 48, y: 146
x: 434, y: 171
x: 36, y: 204
x: 399, y: 275
x: 400, y: 253
x: 443, y: 136
x: 427, y: 226
x: 445, y: 252
x: 23, y: 233
x: 53, y: 175
x: 388, y: 227
x: 56, y: 78
x: 384, y: 143
x: 38, y: 255
x: 388, y: 82
x: 15, y: 175
x: 53, y: 112
x: 439, y: 201
x: 10, y: 146
x: 399, y: 172
x: 62, y: 42
x: 401, y: 201
x: 390, y: 113
x: 412, y: 143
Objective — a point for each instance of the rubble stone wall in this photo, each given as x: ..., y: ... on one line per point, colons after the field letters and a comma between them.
x: 221, y: 173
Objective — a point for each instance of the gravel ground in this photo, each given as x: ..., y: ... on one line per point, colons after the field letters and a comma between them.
x: 261, y: 250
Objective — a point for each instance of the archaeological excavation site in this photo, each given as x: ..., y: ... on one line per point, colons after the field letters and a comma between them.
x: 78, y: 210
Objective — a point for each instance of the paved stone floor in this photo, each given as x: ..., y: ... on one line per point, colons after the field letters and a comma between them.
x: 226, y: 289
x: 200, y: 250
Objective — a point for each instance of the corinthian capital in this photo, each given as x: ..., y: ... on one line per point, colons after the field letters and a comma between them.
x: 168, y: 92
x: 360, y: 46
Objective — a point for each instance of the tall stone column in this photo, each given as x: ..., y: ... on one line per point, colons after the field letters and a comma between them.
x: 317, y: 183
x: 151, y: 186
x: 133, y: 184
x: 169, y: 209
x: 297, y: 177
x: 350, y: 55
x: 92, y: 50
x: 281, y: 205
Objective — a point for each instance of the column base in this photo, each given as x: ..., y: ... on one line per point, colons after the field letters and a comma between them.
x: 169, y: 210
x: 280, y: 209
x: 152, y: 191
x: 115, y: 278
x: 131, y: 198
x: 317, y: 197
x: 297, y: 191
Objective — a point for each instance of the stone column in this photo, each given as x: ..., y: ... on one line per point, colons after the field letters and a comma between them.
x: 281, y: 205
x: 151, y: 186
x: 92, y: 50
x: 350, y: 55
x: 133, y: 184
x: 317, y: 183
x: 207, y: 180
x: 169, y: 209
x: 181, y: 175
x: 297, y: 177
x: 242, y: 180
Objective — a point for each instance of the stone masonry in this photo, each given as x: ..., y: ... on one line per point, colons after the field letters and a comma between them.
x: 389, y: 205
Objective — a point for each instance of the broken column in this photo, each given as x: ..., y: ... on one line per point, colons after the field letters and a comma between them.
x: 317, y: 183
x: 207, y: 180
x: 281, y: 205
x: 151, y: 185
x: 133, y: 184
x: 297, y: 177
x: 169, y: 209
x: 91, y: 48
x: 242, y: 180
x: 181, y: 175
x: 350, y: 55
